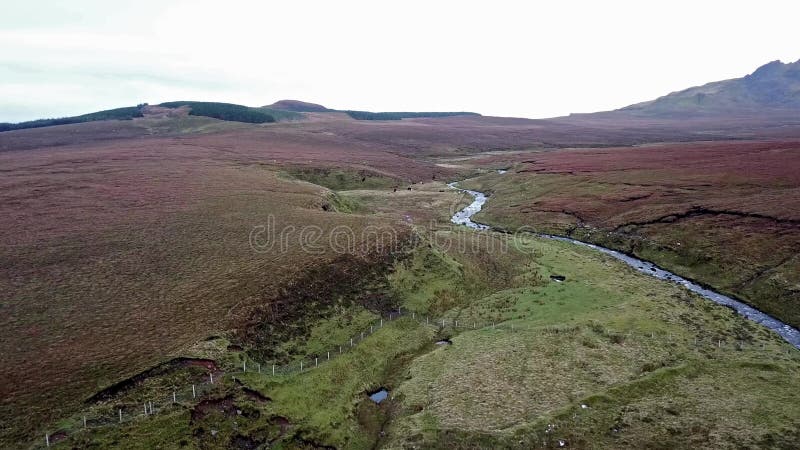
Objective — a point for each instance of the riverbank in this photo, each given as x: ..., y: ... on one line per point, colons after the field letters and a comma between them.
x: 786, y: 331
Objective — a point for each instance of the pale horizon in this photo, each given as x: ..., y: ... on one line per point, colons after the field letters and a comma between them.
x: 517, y: 60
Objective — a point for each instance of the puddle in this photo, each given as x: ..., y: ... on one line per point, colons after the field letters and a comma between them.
x: 379, y: 395
x: 558, y: 278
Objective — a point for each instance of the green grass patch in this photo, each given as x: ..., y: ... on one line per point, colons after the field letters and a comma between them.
x: 343, y: 179
x: 324, y: 401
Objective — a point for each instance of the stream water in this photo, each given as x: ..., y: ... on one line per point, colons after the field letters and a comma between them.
x: 787, y: 332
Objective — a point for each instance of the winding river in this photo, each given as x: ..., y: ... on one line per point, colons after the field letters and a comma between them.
x: 787, y: 332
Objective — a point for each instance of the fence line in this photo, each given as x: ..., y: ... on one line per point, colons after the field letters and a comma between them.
x: 129, y: 413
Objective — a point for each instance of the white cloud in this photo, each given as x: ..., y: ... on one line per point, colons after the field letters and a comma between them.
x: 533, y: 59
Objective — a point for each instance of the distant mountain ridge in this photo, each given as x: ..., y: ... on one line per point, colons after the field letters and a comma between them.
x: 772, y: 88
x: 771, y: 94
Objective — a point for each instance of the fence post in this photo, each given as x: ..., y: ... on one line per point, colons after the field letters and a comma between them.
x: 301, y: 366
x: 381, y: 322
x: 194, y: 393
x: 456, y: 324
x: 244, y: 365
x: 120, y: 415
x: 340, y: 349
x: 370, y: 329
x: 174, y: 397
x: 259, y: 367
x: 47, y: 439
x: 316, y: 362
x: 413, y: 315
x: 84, y: 421
x: 351, y: 342
x: 426, y: 320
x: 145, y: 408
x: 442, y: 323
x: 212, y: 377
x: 273, y: 369
x: 362, y: 335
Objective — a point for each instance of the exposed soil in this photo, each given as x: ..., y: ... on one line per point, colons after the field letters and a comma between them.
x: 244, y: 442
x: 348, y: 280
x: 256, y: 396
x: 224, y: 405
x: 159, y: 370
x: 59, y: 435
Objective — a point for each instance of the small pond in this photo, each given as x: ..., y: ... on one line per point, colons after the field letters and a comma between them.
x: 379, y: 396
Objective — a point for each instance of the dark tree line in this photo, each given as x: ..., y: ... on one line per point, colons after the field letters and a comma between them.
x: 366, y: 115
x: 126, y: 113
x: 224, y: 111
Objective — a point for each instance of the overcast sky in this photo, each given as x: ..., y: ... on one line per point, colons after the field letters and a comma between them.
x: 527, y: 59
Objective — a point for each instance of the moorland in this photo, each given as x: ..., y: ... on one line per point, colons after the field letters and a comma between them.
x: 127, y: 251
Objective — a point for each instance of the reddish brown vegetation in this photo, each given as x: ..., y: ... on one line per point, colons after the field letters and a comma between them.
x: 118, y: 253
x: 725, y: 213
x: 126, y: 241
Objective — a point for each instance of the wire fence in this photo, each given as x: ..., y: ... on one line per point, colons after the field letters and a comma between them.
x: 117, y: 413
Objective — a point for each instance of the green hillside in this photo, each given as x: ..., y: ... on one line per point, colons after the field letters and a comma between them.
x: 224, y: 111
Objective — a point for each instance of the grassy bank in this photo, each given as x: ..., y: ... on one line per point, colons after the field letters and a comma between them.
x: 608, y: 358
x: 750, y: 257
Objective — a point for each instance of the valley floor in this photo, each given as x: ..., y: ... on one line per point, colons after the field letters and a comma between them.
x: 608, y: 358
